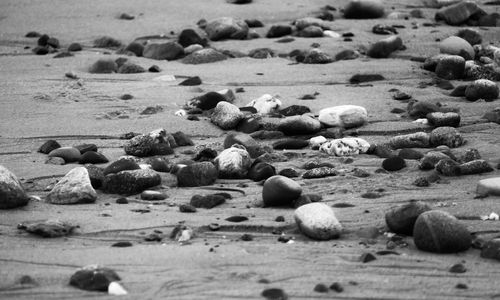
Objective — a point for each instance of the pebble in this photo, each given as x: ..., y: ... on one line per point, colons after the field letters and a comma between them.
x: 477, y: 166
x: 103, y: 66
x: 384, y: 47
x: 207, y: 101
x: 130, y: 182
x: 297, y: 125
x: 364, y: 9
x: 91, y: 157
x: 346, y: 116
x: 233, y: 163
x: 197, y: 174
x: 265, y: 104
x: 401, y: 219
x: 491, y: 249
x: 135, y: 48
x: 94, y: 278
x: 408, y: 153
x: 261, y: 53
x: 69, y: 154
x: 165, y: 51
x: 317, y: 56
x: 191, y: 81
x: 457, y: 268
x: 347, y: 54
x: 448, y: 167
x: 382, y: 151
x: 189, y: 37
x: 130, y: 68
x: 247, y: 141
x: 337, y: 287
x: 384, y: 29
x: 226, y: 115
x: 455, y: 45
x: 121, y: 165
x: 447, y: 136
x: 290, y: 143
x: 440, y: 119
x: 450, y: 67
x: 107, y: 42
x: 289, y: 172
x: 440, y: 232
x: 204, y: 56
x: 489, y: 186
x: 74, y: 47
x: 493, y: 115
x: 154, y: 69
x: 55, y: 161
x: 48, y: 146
x: 345, y: 146
x: 274, y: 294
x: 74, y: 188
x: 153, y: 195
x: 318, y: 221
x: 320, y: 172
x: 140, y: 145
x: 11, y: 190
x: 187, y: 208
x: 431, y: 158
x: 317, y: 141
x: 41, y: 50
x: 48, y: 228
x: 83, y: 148
x: 367, y: 257
x: 392, y: 164
x: 208, y: 201
x: 280, y: 191
x: 472, y: 36
x: 482, y: 89
x: 226, y: 28
x: 469, y: 155
x: 294, y: 110
x: 279, y: 30
x: 362, y: 78
x: 261, y: 171
x: 458, y: 13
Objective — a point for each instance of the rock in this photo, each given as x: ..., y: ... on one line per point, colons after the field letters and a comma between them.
x: 280, y: 191
x: 491, y: 249
x: 233, y: 163
x: 317, y: 141
x: 226, y: 115
x: 130, y: 68
x: 420, y: 109
x: 489, y: 20
x: 103, y: 66
x: 253, y: 148
x: 107, y: 42
x: 477, y: 166
x: 160, y: 164
x: 92, y: 157
x: 153, y: 195
x: 204, y: 56
x: 83, y: 148
x: 455, y: 45
x: 431, y: 158
x: 207, y: 101
x: 313, y: 164
x: 364, y: 9
x: 191, y: 81
x: 48, y: 146
x: 165, y: 51
x: 472, y: 36
x: 261, y: 171
x: 408, y: 153
x: 318, y: 221
x: 289, y: 172
x: 206, y: 154
x: 249, y: 124
x: 412, y: 140
x: 382, y: 151
x: 267, y: 134
x: 347, y: 54
x: 274, y: 294
x: 254, y: 23
x: 384, y: 47
x: 362, y: 78
x: 262, y: 53
x: 294, y: 110
x: 121, y: 165
x: 74, y: 188
x: 279, y: 30
x: 401, y: 219
x: 265, y: 104
x: 469, y: 155
x: 189, y: 37
x: 130, y: 182
x: 458, y: 13
x: 320, y: 172
x: 154, y: 69
x: 448, y: 167
x: 448, y: 136
x: 489, y: 186
x: 345, y: 146
x: 33, y: 34
x: 296, y: 125
x: 55, y: 161
x: 450, y: 67
x: 41, y: 50
x: 226, y: 28
x: 395, y: 163
x: 197, y: 174
x: 440, y: 232
x: 140, y: 145
x: 384, y: 29
x: 48, y: 228
x: 187, y: 208
x: 346, y: 116
x: 74, y: 47
x: 482, y: 89
x: 12, y: 193
x: 181, y: 139
x: 94, y: 278
x: 493, y: 116
x: 96, y: 175
x: 317, y: 56
x: 311, y: 31
x: 208, y: 201
x: 290, y: 143
x: 69, y: 154
x: 440, y: 119
x: 136, y: 48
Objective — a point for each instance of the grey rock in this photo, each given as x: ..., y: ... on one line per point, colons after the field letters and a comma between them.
x: 12, y: 193
x: 130, y: 182
x: 75, y: 187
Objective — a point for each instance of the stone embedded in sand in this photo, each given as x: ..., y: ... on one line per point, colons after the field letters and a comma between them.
x: 197, y: 174
x: 448, y: 136
x: 303, y: 23
x: 384, y: 47
x: 469, y: 155
x: 290, y: 143
x: 207, y: 201
x: 431, y: 158
x: 364, y: 9
x: 135, y: 48
x: 320, y: 172
x: 75, y: 187
x: 477, y: 166
x: 48, y: 228
x: 121, y: 165
x: 408, y: 153
x: 226, y: 28
x: 140, y: 145
x: 440, y: 119
x: 96, y: 175
x: 265, y: 104
x: 279, y: 30
x: 204, y: 56
x: 233, y: 163
x: 311, y: 31
x: 181, y: 139
x: 107, y: 42
x: 412, y: 140
x: 482, y: 89
x: 489, y: 186
x: 280, y: 191
x: 296, y: 125
x: 165, y: 51
x: 94, y: 278
x: 491, y: 249
x: 91, y: 157
x: 458, y: 13
x: 130, y: 68
x: 249, y: 124
x: 207, y: 101
x: 226, y: 115
x: 48, y: 146
x: 130, y: 182
x: 251, y: 145
x: 347, y: 54
x: 261, y: 171
x: 455, y: 45
x: 450, y: 67
x: 74, y: 47
x: 103, y: 66
x: 69, y: 154
x: 401, y: 219
x: 440, y: 232
x: 345, y: 146
x: 472, y: 36
x: 395, y: 163
x: 362, y: 78
x: 12, y: 193
x: 346, y: 116
x: 153, y: 195
x: 318, y: 221
x: 448, y: 167
x: 189, y: 37
x: 493, y: 116
x: 191, y: 81
x: 261, y: 53
x: 317, y: 56
x: 83, y: 148
x: 420, y: 108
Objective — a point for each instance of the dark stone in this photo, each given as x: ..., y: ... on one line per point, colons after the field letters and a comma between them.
x: 253, y: 148
x: 420, y: 109
x: 384, y: 29
x: 493, y: 116
x: 317, y: 56
x: 363, y: 10
x: 41, y: 50
x: 491, y: 249
x: 448, y: 167
x: 165, y: 51
x: 197, y: 174
x: 294, y: 110
x: 361, y: 78
x: 384, y: 48
x: 421, y: 182
x: 208, y: 100
x: 86, y: 148
x: 450, y: 67
x: 261, y: 171
x: 206, y: 154
x: 130, y: 68
x: 107, y: 42
x: 189, y: 37
x: 274, y: 294
x: 96, y: 175
x: 337, y: 287
x: 470, y: 35
x: 53, y: 42
x: 187, y: 208
x: 262, y: 53
x: 458, y: 13
x: 208, y: 201
x: 33, y: 34
x: 125, y: 16
x: 93, y: 278
x: 160, y: 164
x: 191, y: 81
x: 236, y: 219
x: 280, y: 191
x: 103, y: 66
x: 42, y: 41
x: 444, y: 84
x: 122, y: 244
x: 321, y: 288
x: 289, y: 172
x: 383, y: 151
x: 254, y: 23
x: 290, y: 144
x: 408, y: 153
x: 401, y: 219
x: 122, y: 200
x: 130, y: 182
x: 490, y: 20
x: 181, y: 139
x: 457, y: 268
x: 393, y: 163
x: 74, y: 47
x: 161, y: 149
x: 440, y: 119
x: 367, y: 257
x: 459, y: 91
x: 154, y: 69
x: 267, y: 134
x: 401, y: 96
x: 277, y: 31
x: 91, y: 157
x: 121, y: 165
x: 249, y: 124
x: 347, y: 54
x: 48, y: 146
x: 63, y: 54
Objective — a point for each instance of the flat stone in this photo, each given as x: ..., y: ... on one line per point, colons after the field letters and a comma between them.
x: 489, y: 186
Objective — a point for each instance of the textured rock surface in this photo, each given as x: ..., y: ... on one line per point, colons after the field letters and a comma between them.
x: 73, y: 188
x: 12, y: 193
x: 197, y: 174
x: 318, y: 221
x: 130, y: 182
x: 226, y: 115
x: 401, y: 219
x: 233, y: 162
x: 346, y: 116
x: 345, y: 146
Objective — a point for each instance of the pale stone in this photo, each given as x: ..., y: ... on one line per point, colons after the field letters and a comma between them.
x: 318, y: 221
x: 317, y: 141
x: 265, y: 104
x: 489, y: 186
x: 233, y: 162
x: 345, y: 146
x: 12, y: 193
x: 73, y: 188
x: 346, y: 116
x: 455, y: 45
x: 226, y: 115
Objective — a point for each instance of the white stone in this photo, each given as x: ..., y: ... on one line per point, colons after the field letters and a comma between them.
x: 192, y: 48
x: 331, y: 34
x: 181, y: 113
x: 489, y: 186
x: 165, y: 78
x: 12, y: 193
x: 454, y: 45
x: 233, y: 162
x: 73, y: 188
x: 318, y: 221
x: 345, y: 146
x: 115, y: 289
x: 226, y: 115
x: 228, y: 94
x: 346, y: 116
x: 317, y: 141
x: 265, y: 104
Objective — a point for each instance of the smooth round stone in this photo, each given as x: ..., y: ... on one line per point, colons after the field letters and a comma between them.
x: 489, y: 186
x: 153, y: 195
x: 311, y: 31
x: 472, y: 36
x: 91, y: 157
x: 73, y: 47
x: 69, y: 154
x: 165, y: 51
x: 48, y: 146
x: 482, y: 89
x: 249, y: 124
x: 440, y: 232
x: 226, y: 115
x: 395, y: 163
x: 250, y: 144
x: 261, y: 171
x: 450, y: 67
x: 346, y: 116
x: 401, y: 219
x: 290, y: 144
x: 103, y: 66
x: 280, y: 191
x: 297, y: 125
x: 441, y: 119
x: 233, y: 163
x: 12, y: 193
x: 204, y: 56
x: 318, y: 221
x: 384, y: 47
x: 447, y: 136
x: 121, y: 165
x: 408, y: 153
x: 197, y: 174
x: 317, y: 141
x: 279, y: 30
x: 455, y: 45
x: 364, y: 9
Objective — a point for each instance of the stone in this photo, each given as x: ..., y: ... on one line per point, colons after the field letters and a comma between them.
x: 74, y: 188
x: 55, y: 161
x: 290, y: 143
x: 121, y: 165
x: 493, y: 115
x: 318, y: 221
x: 181, y: 139
x: 233, y: 163
x: 187, y: 208
x: 382, y: 151
x: 12, y: 193
x: 297, y: 125
x: 226, y: 115
x: 346, y: 116
x: 208, y: 201
x: 189, y: 37
x: 48, y: 228
x: 472, y: 36
x: 313, y: 164
x: 226, y: 28
x: 440, y: 232
x: 153, y: 195
x: 192, y: 48
x: 317, y: 56
x: 412, y: 140
x: 364, y: 9
x: 489, y: 186
x: 83, y: 148
x: 267, y: 134
x: 384, y: 47
x: 431, y: 158
x: 107, y: 42
x: 392, y: 164
x: 469, y: 155
x: 289, y: 172
x: 204, y: 56
x: 130, y: 182
x: 136, y: 48
x: 249, y: 124
x: 477, y: 166
x: 48, y: 146
x: 489, y: 20
x: 96, y: 175
x: 41, y: 50
x: 448, y: 136
x: 303, y: 23
x: 274, y: 294
x: 455, y: 45
x: 103, y: 66
x: 420, y: 108
x: 320, y: 172
x: 294, y: 110
x: 280, y: 191
x: 191, y: 81
x: 448, y: 167
x: 165, y: 51
x: 311, y: 31
x: 91, y: 157
x: 261, y: 171
x: 261, y: 53
x: 408, y: 153
x: 69, y: 154
x: 206, y: 154
x: 160, y: 164
x: 279, y: 30
x: 347, y: 54
x: 74, y: 47
x: 317, y: 141
x: 207, y: 101
x: 384, y: 29
x: 140, y: 145
x: 130, y: 68
x: 265, y: 104
x: 345, y: 146
x: 197, y: 174
x: 458, y: 13
x: 251, y: 145
x: 482, y: 89
x: 401, y: 219
x: 440, y: 119
x: 94, y: 278
x: 254, y: 23
x: 450, y: 67
x: 362, y: 78
x: 491, y: 249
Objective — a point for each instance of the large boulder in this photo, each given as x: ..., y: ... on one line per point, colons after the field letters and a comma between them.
x: 12, y: 193
x: 346, y: 116
x: 73, y: 188
x: 226, y: 28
